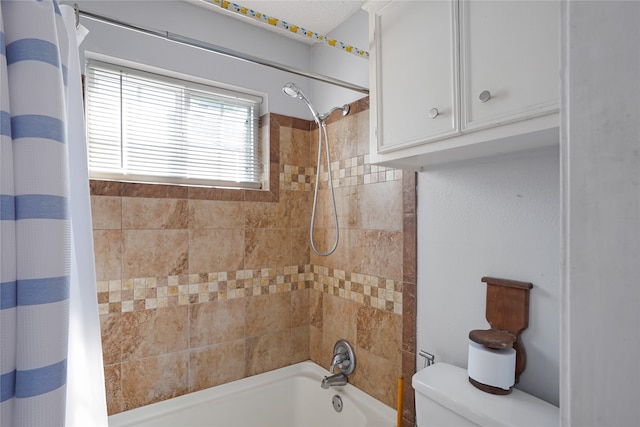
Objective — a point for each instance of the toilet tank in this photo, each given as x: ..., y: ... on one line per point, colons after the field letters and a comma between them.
x: 444, y: 397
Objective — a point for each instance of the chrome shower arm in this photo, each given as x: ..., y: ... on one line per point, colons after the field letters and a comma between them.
x: 344, y: 111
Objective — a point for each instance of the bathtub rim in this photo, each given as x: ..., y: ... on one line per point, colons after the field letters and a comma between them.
x: 307, y: 368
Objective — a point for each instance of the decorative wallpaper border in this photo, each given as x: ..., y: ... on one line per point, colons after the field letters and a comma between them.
x: 284, y: 25
x: 147, y: 293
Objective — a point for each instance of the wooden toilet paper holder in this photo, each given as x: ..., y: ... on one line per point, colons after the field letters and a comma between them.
x: 507, y: 311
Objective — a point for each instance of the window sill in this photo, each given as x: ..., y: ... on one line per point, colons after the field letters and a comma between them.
x: 270, y: 122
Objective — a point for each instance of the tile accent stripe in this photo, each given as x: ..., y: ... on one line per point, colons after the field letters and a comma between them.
x: 297, y: 178
x: 371, y: 291
x: 358, y: 170
x: 346, y: 173
x: 146, y: 293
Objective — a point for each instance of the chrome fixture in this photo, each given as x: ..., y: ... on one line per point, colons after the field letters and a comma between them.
x: 336, y: 401
x: 345, y: 360
x: 344, y: 110
x: 429, y: 359
x: 177, y: 38
x: 484, y: 96
x: 290, y: 89
x: 338, y: 379
x: 293, y: 91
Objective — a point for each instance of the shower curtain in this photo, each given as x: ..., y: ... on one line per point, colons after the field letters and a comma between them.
x: 50, y: 354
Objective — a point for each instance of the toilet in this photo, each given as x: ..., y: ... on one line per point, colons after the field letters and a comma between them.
x: 444, y: 397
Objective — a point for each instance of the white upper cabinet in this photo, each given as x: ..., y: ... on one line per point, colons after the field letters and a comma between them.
x: 415, y: 54
x: 455, y: 79
x: 509, y: 60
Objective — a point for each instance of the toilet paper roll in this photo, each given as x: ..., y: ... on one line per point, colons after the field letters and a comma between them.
x: 492, y: 367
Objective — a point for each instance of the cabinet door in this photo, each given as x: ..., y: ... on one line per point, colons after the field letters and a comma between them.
x: 415, y: 74
x: 509, y: 55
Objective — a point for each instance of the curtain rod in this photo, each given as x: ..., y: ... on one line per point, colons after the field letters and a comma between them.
x: 224, y: 51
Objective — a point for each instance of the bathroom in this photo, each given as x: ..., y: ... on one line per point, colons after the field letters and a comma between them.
x: 157, y: 247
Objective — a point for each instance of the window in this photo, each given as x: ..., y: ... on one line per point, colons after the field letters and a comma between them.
x: 144, y: 127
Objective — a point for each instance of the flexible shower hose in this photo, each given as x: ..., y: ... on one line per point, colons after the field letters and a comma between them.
x: 322, y: 131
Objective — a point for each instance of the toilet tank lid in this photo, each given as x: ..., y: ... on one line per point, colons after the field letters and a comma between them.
x: 449, y: 386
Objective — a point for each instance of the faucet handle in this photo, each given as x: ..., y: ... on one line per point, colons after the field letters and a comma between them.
x: 343, y: 358
x: 344, y: 364
x: 338, y: 360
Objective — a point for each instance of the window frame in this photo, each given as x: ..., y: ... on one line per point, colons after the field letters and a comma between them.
x: 191, y: 83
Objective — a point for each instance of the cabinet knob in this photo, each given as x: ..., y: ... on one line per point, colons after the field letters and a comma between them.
x: 485, y: 96
x: 433, y: 113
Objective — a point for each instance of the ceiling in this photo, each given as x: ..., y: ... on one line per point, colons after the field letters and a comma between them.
x: 320, y: 16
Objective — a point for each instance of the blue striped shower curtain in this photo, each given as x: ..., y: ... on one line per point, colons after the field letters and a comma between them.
x: 37, y: 239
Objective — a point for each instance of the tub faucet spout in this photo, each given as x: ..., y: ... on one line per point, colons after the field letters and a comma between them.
x: 345, y: 360
x: 334, y: 380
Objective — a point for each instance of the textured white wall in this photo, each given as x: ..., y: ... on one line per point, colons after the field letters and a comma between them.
x: 202, y: 24
x: 499, y: 217
x: 205, y: 25
x: 601, y: 214
x: 341, y: 65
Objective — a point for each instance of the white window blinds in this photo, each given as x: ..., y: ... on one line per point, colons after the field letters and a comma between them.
x: 143, y: 127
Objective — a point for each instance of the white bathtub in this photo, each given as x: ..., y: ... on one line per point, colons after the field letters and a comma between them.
x: 286, y: 397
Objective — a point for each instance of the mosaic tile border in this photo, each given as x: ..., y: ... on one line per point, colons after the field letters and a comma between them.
x: 371, y: 291
x: 143, y: 293
x: 345, y: 173
x: 146, y: 293
x: 297, y: 178
x: 359, y: 170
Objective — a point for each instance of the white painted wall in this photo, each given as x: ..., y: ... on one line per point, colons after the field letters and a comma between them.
x: 200, y: 23
x: 344, y: 66
x: 498, y: 217
x: 600, y: 143
x: 203, y: 24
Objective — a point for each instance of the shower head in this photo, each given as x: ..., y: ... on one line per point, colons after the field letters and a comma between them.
x: 344, y: 110
x: 294, y: 91
x: 291, y: 90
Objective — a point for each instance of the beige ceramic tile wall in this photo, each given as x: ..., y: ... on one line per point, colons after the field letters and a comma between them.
x: 194, y: 293
x: 369, y: 201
